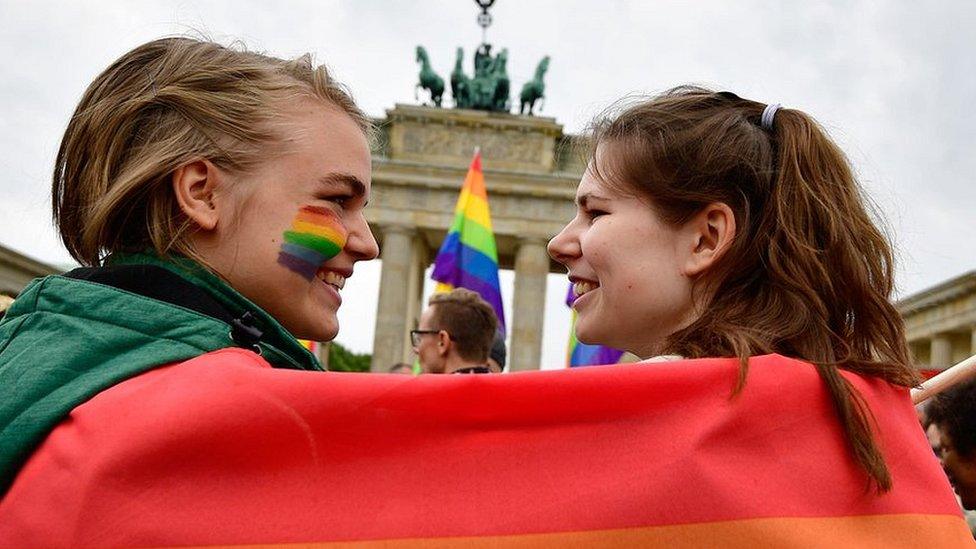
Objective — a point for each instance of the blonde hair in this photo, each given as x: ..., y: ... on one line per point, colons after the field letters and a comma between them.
x: 164, y: 104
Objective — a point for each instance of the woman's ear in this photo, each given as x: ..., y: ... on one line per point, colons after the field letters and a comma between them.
x: 194, y: 185
x: 712, y: 231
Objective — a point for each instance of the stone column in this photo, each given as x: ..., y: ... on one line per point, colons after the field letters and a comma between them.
x: 941, y: 355
x: 391, y: 319
x: 531, y: 268
x: 324, y: 353
x: 415, y: 292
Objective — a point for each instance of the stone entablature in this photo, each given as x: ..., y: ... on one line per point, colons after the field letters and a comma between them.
x: 16, y: 270
x: 940, y: 322
x: 447, y: 137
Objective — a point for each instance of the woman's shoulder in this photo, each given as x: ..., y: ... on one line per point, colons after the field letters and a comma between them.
x: 66, y: 340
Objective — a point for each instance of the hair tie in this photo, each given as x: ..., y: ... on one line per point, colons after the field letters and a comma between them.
x: 767, y: 116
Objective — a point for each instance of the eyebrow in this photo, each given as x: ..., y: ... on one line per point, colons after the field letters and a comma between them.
x: 583, y: 200
x: 352, y: 183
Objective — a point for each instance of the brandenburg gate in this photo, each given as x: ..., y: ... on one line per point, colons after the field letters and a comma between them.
x: 419, y: 163
x: 940, y: 322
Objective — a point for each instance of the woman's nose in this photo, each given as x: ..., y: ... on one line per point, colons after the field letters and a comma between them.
x: 362, y: 244
x: 564, y: 246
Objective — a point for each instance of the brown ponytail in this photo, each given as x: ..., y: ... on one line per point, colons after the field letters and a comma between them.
x: 809, y: 275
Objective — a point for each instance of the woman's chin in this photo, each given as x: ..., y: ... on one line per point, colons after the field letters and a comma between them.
x: 324, y: 331
x: 589, y: 336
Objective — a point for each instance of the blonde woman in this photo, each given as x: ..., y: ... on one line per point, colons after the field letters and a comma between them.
x: 215, y: 198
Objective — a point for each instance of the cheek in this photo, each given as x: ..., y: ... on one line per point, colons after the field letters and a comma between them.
x: 596, y: 247
x: 315, y: 236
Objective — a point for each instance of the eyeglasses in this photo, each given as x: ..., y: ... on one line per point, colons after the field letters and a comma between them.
x: 473, y: 370
x: 415, y: 336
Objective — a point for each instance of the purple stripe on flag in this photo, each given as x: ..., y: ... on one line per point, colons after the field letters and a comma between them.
x: 467, y: 260
x: 593, y: 355
x: 590, y: 355
x: 448, y: 269
x: 488, y: 292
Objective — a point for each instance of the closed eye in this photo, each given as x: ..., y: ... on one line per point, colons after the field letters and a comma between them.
x: 593, y: 214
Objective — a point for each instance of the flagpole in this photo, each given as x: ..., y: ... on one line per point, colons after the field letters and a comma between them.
x: 949, y: 377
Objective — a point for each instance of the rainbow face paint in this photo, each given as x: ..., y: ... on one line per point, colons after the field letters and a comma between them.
x: 316, y: 236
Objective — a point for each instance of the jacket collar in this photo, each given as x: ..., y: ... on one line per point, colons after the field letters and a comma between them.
x: 249, y: 325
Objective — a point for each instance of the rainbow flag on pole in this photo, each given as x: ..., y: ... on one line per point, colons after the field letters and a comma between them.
x: 581, y: 354
x: 468, y: 257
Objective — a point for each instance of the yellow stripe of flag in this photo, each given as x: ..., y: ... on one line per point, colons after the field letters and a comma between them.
x: 475, y: 208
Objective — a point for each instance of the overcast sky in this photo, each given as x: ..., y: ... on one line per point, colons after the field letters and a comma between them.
x: 893, y: 82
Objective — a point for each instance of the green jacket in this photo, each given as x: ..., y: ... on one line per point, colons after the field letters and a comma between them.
x: 67, y: 338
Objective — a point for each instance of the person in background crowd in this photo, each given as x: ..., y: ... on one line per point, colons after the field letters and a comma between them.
x: 455, y: 333
x: 953, y: 413
x: 401, y: 368
x: 931, y: 429
x: 496, y: 356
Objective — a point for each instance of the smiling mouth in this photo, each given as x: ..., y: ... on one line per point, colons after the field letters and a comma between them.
x: 331, y: 278
x: 581, y: 287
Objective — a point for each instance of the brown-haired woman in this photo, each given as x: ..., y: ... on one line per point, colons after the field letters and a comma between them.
x: 709, y: 225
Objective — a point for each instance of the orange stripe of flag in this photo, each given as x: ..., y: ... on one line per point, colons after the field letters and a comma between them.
x: 475, y: 184
x: 909, y: 530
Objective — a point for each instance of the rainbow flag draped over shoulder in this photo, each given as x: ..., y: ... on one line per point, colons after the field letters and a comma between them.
x: 223, y: 450
x: 468, y: 257
x: 582, y: 354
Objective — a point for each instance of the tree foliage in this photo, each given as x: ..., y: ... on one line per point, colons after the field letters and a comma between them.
x: 344, y: 360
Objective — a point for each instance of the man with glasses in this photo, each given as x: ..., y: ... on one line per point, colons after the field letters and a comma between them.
x: 455, y: 333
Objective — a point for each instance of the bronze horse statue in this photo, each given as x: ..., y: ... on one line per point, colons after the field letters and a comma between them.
x: 428, y: 78
x: 460, y: 83
x: 534, y: 89
x: 500, y: 101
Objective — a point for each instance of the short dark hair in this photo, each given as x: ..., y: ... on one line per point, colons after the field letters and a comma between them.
x: 954, y: 411
x: 498, y: 350
x: 469, y: 320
